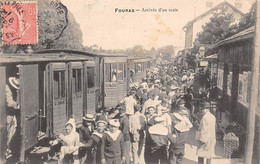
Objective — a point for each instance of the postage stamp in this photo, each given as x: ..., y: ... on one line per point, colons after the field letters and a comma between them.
x: 19, y: 22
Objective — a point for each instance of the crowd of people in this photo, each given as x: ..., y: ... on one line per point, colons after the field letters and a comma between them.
x: 154, y: 118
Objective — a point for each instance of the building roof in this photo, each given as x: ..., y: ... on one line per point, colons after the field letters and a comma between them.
x: 246, y: 34
x: 211, y: 10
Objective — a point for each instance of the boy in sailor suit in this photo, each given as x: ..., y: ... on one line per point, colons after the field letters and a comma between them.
x: 157, y: 139
x: 94, y: 143
x: 112, y: 151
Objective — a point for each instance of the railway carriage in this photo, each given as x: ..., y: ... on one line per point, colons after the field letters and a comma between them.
x: 115, y: 79
x: 138, y: 67
x: 54, y: 86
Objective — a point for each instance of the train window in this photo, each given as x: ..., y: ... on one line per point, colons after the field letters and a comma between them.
x: 58, y: 84
x: 125, y: 70
x: 120, y: 71
x: 136, y: 68
x: 108, y: 72
x: 111, y: 72
x: 91, y: 77
x: 114, y: 72
x: 139, y: 67
x: 76, y: 80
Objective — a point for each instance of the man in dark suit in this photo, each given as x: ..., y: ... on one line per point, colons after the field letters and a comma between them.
x: 85, y: 131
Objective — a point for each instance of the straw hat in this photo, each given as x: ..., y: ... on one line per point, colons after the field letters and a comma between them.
x: 114, y: 122
x: 89, y: 117
x: 14, y: 82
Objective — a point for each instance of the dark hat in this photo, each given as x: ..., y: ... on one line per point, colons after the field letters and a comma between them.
x: 206, y: 105
x: 137, y: 107
x: 101, y: 118
x: 107, y: 109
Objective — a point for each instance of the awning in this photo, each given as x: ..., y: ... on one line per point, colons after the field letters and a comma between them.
x: 211, y: 58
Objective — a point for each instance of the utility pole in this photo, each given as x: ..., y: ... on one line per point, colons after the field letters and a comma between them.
x: 253, y: 90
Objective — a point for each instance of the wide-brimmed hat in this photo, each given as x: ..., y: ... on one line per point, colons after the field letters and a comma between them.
x: 114, y: 122
x: 89, y: 117
x: 14, y: 82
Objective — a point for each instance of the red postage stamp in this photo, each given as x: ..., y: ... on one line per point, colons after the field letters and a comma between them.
x: 19, y: 22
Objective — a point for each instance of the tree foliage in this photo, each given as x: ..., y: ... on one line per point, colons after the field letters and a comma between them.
x: 220, y: 27
x: 248, y: 20
x: 216, y: 29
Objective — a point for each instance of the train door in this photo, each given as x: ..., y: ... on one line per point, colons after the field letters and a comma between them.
x: 126, y: 80
x: 102, y: 89
x: 75, y: 90
x: 91, y: 86
x: 98, y: 78
x: 121, y: 81
x: 29, y: 92
x: 2, y: 115
x: 111, y: 95
x: 57, y: 99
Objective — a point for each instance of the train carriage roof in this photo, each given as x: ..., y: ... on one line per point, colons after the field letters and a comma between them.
x: 52, y: 55
x: 85, y: 53
x: 141, y: 59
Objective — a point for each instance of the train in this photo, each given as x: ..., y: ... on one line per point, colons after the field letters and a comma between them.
x: 56, y: 85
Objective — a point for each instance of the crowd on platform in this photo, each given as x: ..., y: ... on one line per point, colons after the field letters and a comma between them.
x: 156, y: 116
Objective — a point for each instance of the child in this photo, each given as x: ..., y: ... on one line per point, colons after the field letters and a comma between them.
x: 94, y: 143
x: 112, y: 151
x: 70, y: 141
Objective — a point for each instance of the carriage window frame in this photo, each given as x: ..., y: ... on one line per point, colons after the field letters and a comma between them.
x: 76, y: 80
x: 114, y: 72
x: 59, y: 83
x: 124, y: 65
x: 91, y: 77
x: 108, y: 72
x: 120, y: 71
x: 139, y: 67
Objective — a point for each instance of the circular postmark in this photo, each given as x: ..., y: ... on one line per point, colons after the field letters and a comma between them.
x: 54, y: 14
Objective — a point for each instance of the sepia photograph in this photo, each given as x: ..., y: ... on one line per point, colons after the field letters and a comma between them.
x: 130, y: 82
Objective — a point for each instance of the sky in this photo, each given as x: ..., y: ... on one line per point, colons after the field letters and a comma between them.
x: 110, y: 29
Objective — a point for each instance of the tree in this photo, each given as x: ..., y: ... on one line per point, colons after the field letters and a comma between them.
x: 71, y: 37
x: 166, y: 52
x: 249, y: 19
x: 216, y: 29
